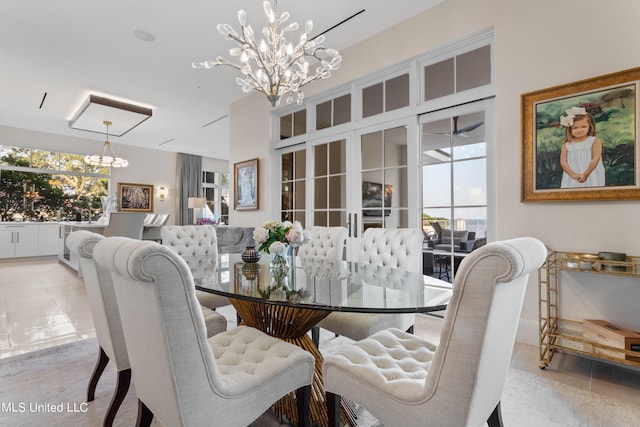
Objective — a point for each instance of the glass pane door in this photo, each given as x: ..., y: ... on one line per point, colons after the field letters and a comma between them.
x: 454, y: 183
x: 383, y: 156
x: 330, y: 184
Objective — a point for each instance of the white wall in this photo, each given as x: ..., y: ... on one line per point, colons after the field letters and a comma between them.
x: 537, y: 45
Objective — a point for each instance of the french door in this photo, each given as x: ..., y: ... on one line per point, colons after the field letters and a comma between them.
x: 358, y: 180
x: 454, y: 145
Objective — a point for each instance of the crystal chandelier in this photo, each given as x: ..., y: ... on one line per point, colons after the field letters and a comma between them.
x: 275, y: 66
x: 107, y: 157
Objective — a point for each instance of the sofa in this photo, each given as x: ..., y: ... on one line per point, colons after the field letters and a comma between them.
x: 463, y: 240
x: 234, y: 239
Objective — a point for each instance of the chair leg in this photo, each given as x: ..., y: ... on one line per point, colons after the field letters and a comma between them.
x: 303, y: 395
x: 122, y: 387
x: 495, y: 419
x: 410, y: 330
x: 103, y: 359
x: 333, y: 409
x: 145, y: 416
x: 315, y: 336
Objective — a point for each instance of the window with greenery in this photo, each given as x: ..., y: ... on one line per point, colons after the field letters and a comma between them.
x: 40, y: 185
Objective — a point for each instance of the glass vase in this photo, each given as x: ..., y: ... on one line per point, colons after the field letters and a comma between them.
x: 279, y: 267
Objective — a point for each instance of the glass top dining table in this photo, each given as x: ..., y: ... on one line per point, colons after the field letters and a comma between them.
x: 321, y: 285
x: 288, y: 304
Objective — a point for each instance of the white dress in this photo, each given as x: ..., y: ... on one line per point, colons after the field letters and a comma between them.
x: 579, y: 157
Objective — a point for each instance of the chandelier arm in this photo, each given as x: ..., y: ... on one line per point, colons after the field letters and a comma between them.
x: 271, y: 64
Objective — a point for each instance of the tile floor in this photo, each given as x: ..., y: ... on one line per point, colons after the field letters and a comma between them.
x: 44, y: 304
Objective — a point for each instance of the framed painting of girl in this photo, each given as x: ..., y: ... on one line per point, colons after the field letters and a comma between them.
x: 579, y: 141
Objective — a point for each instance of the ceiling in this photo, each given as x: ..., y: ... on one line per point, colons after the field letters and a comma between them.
x: 54, y: 54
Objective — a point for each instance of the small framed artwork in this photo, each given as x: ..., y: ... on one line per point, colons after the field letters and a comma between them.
x: 245, y: 176
x: 579, y: 140
x: 135, y: 197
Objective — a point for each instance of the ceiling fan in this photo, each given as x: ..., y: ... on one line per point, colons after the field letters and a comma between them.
x: 460, y: 132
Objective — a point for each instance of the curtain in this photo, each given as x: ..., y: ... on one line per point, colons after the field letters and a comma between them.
x: 189, y: 185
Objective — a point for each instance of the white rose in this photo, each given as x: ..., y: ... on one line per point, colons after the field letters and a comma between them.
x: 287, y: 224
x: 277, y: 248
x: 294, y: 236
x: 260, y: 235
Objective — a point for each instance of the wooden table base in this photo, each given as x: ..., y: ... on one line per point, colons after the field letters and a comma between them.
x: 291, y: 324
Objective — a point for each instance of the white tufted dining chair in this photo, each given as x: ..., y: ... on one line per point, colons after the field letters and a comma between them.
x: 193, y: 241
x: 326, y: 245
x: 180, y: 376
x: 406, y: 381
x: 391, y: 247
x: 106, y: 319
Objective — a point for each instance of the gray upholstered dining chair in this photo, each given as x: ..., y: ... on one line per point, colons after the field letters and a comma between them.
x: 326, y: 244
x: 128, y: 224
x: 391, y: 247
x: 195, y: 240
x: 106, y: 319
x: 404, y: 380
x: 180, y: 377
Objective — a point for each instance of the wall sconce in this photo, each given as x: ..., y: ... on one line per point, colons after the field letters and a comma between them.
x: 162, y: 192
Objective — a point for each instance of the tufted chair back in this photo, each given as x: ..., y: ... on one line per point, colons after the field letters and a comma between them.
x: 181, y: 377
x: 392, y: 247
x: 198, y: 245
x: 191, y: 240
x: 326, y: 243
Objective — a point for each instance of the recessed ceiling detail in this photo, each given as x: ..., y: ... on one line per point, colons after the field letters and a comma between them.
x: 96, y: 109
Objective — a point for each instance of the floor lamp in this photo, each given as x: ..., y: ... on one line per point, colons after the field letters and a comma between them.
x: 196, y: 203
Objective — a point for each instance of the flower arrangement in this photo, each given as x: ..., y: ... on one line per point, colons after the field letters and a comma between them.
x: 207, y: 221
x: 274, y: 236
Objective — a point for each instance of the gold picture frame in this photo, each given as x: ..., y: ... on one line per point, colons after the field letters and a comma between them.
x: 612, y: 101
x: 135, y: 197
x: 245, y: 177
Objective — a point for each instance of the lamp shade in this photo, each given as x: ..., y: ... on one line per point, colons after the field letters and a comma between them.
x: 197, y: 202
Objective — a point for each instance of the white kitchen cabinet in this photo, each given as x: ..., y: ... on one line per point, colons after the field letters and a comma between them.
x: 48, y: 234
x: 18, y: 240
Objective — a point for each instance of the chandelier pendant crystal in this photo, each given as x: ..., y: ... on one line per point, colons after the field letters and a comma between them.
x: 273, y: 65
x: 106, y: 158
